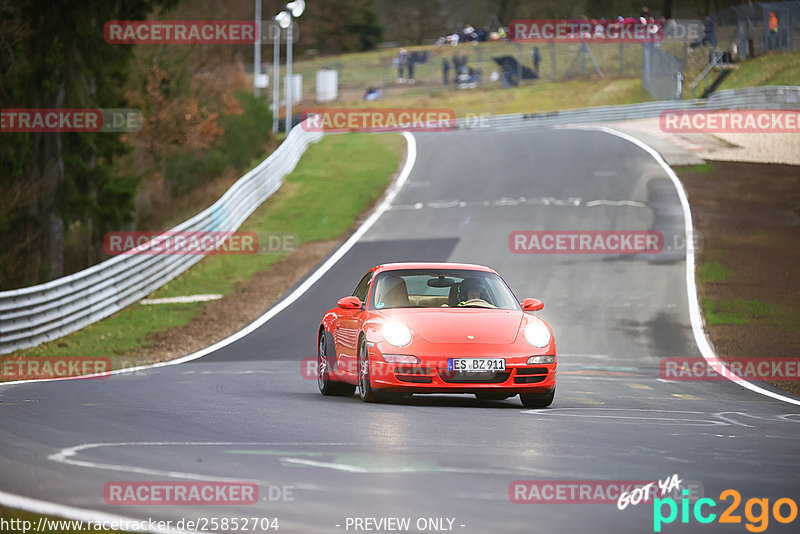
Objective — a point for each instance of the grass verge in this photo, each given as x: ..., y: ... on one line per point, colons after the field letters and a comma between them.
x: 336, y: 180
x: 711, y: 271
x: 748, y: 274
x: 735, y: 311
x: 549, y: 96
x: 770, y: 69
x: 564, y: 90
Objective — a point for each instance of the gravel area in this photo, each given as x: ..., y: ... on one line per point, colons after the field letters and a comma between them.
x: 681, y: 149
x: 757, y: 148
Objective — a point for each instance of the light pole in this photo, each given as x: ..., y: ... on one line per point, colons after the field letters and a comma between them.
x: 279, y: 21
x: 289, y: 88
x: 293, y: 10
x: 257, y: 52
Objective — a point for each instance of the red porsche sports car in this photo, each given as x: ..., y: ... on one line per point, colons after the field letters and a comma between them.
x: 436, y: 328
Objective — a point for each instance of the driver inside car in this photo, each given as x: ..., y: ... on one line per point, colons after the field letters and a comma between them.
x: 472, y: 289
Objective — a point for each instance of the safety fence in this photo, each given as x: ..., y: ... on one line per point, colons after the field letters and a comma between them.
x: 759, y: 27
x: 769, y: 97
x: 33, y: 315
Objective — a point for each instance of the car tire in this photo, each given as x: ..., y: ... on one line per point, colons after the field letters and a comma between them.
x: 365, y: 391
x: 328, y: 386
x: 537, y: 400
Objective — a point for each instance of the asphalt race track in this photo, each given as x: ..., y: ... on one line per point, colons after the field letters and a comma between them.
x: 246, y: 412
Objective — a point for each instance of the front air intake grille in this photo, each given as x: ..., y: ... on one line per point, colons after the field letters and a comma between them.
x: 411, y: 370
x: 415, y: 379
x: 529, y: 379
x: 530, y: 375
x: 531, y: 371
x: 454, y: 377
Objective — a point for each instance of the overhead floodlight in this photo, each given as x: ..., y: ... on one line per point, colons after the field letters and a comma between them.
x: 297, y: 7
x: 284, y: 19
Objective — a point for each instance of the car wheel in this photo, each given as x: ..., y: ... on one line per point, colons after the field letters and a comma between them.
x: 365, y: 391
x: 327, y: 386
x: 491, y: 395
x: 537, y: 400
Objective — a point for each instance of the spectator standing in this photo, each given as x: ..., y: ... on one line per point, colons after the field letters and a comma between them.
x: 537, y: 58
x: 402, y: 60
x: 445, y: 71
x: 710, y: 31
x: 411, y: 62
x: 773, y: 30
x: 709, y: 34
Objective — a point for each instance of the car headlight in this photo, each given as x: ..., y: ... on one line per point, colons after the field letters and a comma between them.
x: 537, y: 334
x: 396, y: 334
x: 548, y: 358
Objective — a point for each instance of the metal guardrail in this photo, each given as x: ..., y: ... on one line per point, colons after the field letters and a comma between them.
x: 772, y: 97
x: 36, y: 314
x: 33, y: 315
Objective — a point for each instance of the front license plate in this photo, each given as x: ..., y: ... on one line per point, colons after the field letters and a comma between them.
x: 476, y: 365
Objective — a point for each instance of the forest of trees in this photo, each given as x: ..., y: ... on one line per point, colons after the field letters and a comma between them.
x: 414, y: 21
x: 53, y: 56
x: 61, y: 192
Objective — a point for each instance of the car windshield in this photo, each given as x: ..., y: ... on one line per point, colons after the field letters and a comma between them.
x: 441, y: 288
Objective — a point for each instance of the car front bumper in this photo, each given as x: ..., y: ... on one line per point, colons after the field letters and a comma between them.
x: 431, y: 374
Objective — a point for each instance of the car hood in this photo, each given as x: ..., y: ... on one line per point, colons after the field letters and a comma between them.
x: 489, y: 326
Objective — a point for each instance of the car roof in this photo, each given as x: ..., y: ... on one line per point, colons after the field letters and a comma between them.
x: 432, y: 265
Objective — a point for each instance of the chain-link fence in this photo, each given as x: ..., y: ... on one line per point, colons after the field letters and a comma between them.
x: 753, y: 29
x: 466, y: 66
x: 666, y: 69
x: 740, y: 32
x: 662, y: 73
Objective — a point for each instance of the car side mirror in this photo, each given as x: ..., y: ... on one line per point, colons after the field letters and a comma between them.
x: 532, y: 305
x: 349, y: 303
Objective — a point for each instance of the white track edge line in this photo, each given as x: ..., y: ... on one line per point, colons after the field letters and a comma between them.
x: 695, y: 315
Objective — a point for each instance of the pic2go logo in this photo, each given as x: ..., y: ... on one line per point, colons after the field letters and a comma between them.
x: 757, y: 521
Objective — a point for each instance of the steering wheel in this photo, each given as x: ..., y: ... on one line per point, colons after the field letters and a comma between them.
x: 475, y: 303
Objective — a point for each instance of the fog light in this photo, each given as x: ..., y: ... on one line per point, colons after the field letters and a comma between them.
x: 399, y: 358
x: 548, y: 358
